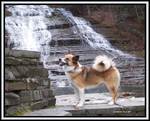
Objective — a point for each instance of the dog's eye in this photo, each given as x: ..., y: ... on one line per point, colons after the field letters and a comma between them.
x: 66, y: 59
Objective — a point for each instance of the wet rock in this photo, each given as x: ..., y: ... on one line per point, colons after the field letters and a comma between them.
x: 22, y: 53
x: 51, y: 101
x: 50, y: 27
x: 21, y: 71
x: 7, y: 13
x: 39, y: 105
x: 57, y: 22
x: 9, y: 75
x: 26, y: 96
x: 14, y: 86
x: 47, y: 93
x: 17, y: 110
x: 43, y: 104
x: 29, y: 96
x: 49, y: 112
x: 37, y: 95
x: 13, y: 70
x: 12, y: 61
x: 36, y: 72
x: 22, y: 61
x: 45, y: 82
x: 11, y: 99
x: 65, y: 42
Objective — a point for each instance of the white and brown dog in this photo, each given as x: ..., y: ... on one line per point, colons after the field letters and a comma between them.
x: 102, y: 71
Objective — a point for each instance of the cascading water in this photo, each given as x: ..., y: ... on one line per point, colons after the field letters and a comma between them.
x: 27, y: 28
x: 88, y: 35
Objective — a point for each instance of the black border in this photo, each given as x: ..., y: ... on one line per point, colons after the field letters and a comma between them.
x: 66, y: 3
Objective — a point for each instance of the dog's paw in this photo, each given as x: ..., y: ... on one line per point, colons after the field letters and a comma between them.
x: 111, y: 103
x: 79, y: 105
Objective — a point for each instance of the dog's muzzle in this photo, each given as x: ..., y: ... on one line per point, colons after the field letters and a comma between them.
x: 62, y: 63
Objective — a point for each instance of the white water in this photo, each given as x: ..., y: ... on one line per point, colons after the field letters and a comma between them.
x: 27, y: 28
x: 88, y: 35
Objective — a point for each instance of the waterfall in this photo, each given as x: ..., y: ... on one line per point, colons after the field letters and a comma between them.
x: 27, y: 28
x: 88, y: 35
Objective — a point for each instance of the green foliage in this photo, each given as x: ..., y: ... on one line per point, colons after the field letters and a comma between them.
x: 19, y: 110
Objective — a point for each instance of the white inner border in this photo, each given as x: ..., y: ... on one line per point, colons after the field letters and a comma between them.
x: 73, y: 2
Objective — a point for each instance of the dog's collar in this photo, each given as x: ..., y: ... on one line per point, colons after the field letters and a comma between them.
x: 72, y: 71
x: 75, y: 68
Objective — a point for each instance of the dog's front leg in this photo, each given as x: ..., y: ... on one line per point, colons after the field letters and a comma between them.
x: 81, y: 95
x: 76, y: 93
x: 77, y: 96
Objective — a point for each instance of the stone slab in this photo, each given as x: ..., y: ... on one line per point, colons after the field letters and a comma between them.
x: 14, y: 86
x: 95, y: 105
x: 29, y: 96
x: 99, y: 98
x: 49, y: 112
x: 21, y: 53
x: 22, y: 61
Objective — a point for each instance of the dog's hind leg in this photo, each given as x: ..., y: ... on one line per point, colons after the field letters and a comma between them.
x: 113, y: 91
x: 114, y: 94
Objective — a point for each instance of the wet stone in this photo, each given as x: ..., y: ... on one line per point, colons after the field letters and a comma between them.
x: 26, y: 96
x: 47, y: 93
x: 22, y: 53
x: 39, y: 105
x: 14, y: 86
x: 37, y: 95
x: 9, y: 75
x: 11, y: 99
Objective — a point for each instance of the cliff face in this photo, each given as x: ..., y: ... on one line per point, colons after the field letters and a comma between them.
x: 127, y: 26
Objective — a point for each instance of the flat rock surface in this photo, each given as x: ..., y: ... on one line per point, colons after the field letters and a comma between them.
x: 99, y: 99
x: 95, y: 104
x: 49, y: 112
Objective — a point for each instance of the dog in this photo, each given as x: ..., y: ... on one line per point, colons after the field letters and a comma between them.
x: 103, y: 70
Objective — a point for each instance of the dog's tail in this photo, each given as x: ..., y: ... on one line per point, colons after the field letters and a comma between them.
x: 102, y: 63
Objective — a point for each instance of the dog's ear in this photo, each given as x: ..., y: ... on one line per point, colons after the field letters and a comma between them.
x: 76, y: 58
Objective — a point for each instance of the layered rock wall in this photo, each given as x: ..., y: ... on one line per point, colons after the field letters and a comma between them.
x: 27, y: 86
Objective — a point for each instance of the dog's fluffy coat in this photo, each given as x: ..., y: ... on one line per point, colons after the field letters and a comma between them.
x: 102, y: 71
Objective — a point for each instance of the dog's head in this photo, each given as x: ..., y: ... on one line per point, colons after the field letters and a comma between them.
x: 69, y: 61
